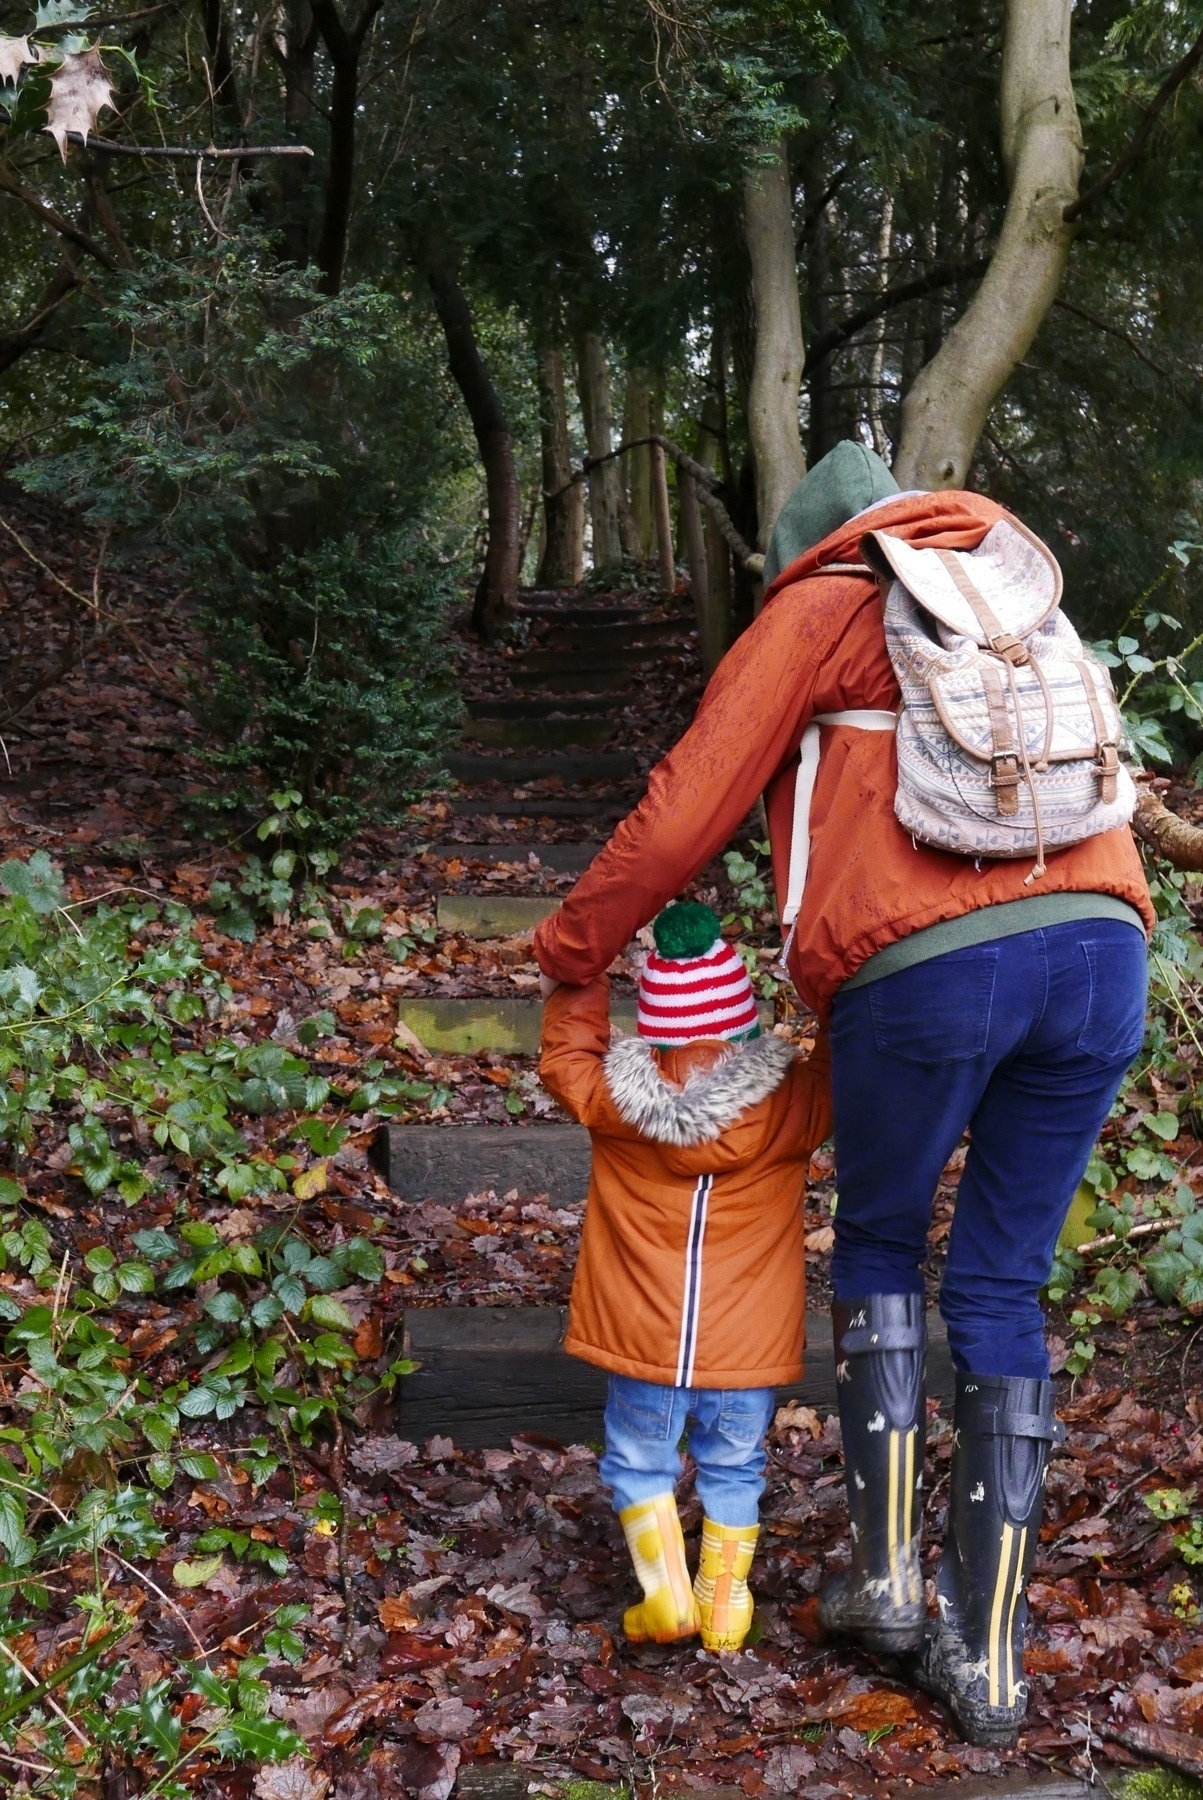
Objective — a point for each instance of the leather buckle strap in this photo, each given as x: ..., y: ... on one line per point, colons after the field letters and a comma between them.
x: 864, y: 1340
x: 999, y: 1423
x: 1108, y: 773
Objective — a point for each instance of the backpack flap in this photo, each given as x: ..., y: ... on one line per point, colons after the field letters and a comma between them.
x: 996, y: 595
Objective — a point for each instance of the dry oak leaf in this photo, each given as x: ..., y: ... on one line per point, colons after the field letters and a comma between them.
x: 79, y: 88
x: 396, y: 1613
x: 872, y: 1711
x: 445, y: 1721
x: 296, y: 1779
x: 14, y: 54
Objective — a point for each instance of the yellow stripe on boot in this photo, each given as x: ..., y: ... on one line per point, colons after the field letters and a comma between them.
x: 668, y: 1610
x: 724, y: 1600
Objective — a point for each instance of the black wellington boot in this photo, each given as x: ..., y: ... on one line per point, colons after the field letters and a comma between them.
x: 972, y: 1655
x: 880, y: 1347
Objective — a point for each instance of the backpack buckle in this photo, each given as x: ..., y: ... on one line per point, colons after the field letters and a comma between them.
x: 1011, y: 648
x: 1108, y: 767
x: 1006, y: 780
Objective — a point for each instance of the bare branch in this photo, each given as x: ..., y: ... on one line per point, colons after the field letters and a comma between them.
x: 10, y: 185
x: 1181, y: 72
x: 941, y: 275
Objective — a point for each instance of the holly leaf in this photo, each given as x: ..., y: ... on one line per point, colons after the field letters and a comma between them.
x: 60, y: 12
x: 79, y: 88
x: 14, y: 54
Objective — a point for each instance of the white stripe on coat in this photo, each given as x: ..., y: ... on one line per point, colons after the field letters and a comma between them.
x: 692, y: 1298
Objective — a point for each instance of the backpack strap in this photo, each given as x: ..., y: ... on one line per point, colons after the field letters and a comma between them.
x: 1000, y: 640
x: 1006, y: 745
x: 1105, y: 743
x: 804, y: 787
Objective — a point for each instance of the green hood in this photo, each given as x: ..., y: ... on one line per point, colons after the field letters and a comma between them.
x: 843, y: 483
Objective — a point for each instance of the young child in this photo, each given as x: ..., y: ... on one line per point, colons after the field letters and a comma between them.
x: 690, y: 1284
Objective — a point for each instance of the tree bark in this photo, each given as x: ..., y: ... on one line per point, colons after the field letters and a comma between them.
x: 945, y: 410
x: 693, y: 543
x: 225, y: 85
x: 1166, y: 834
x: 778, y: 356
x: 593, y: 382
x: 666, y: 564
x: 716, y: 632
x: 497, y: 591
x: 343, y: 47
x: 562, y: 563
x: 636, y: 424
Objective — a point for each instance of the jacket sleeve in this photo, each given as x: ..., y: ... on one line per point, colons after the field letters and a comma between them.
x: 576, y: 1036
x: 750, y: 721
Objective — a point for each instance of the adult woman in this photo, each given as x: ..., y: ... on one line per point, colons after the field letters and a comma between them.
x: 958, y: 999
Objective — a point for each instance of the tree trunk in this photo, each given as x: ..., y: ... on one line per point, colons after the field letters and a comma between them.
x: 562, y: 562
x: 712, y: 453
x: 945, y: 410
x: 877, y: 366
x: 497, y: 591
x: 217, y: 38
x: 693, y: 543
x: 593, y: 382
x: 343, y: 47
x: 636, y: 424
x: 666, y: 564
x: 777, y: 364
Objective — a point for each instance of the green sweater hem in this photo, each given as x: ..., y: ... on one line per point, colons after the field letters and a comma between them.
x: 987, y: 923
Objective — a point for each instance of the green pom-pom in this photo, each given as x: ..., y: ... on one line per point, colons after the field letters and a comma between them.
x: 686, y: 928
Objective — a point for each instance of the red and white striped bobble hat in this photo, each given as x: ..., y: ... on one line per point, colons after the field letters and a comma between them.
x: 693, y: 985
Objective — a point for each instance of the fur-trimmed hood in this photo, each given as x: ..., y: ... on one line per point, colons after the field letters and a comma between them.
x: 709, y: 1102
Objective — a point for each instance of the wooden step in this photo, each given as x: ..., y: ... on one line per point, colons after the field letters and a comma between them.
x: 492, y: 915
x: 448, y: 1162
x: 582, y: 662
x: 604, y: 636
x: 488, y: 706
x: 561, y: 859
x: 597, y: 765
x: 600, y: 811
x: 582, y: 612
x: 574, y: 683
x: 489, y: 1372
x: 539, y: 734
x: 511, y: 1026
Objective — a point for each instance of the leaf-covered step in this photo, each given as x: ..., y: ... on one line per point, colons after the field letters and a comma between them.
x: 492, y: 915
x: 601, y: 811
x: 509, y: 1026
x: 574, y: 678
x: 492, y: 706
x: 539, y: 734
x: 586, y: 662
x: 448, y: 1162
x: 561, y: 859
x: 598, y: 765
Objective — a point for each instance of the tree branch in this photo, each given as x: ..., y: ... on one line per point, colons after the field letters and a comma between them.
x: 1166, y: 834
x: 1180, y: 73
x: 1079, y: 312
x: 10, y: 185
x: 14, y: 344
x: 343, y: 47
x: 939, y: 276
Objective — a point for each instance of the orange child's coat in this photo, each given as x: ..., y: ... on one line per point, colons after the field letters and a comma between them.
x: 692, y: 1263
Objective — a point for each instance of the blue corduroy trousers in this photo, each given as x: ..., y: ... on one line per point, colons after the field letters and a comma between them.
x: 1023, y: 1042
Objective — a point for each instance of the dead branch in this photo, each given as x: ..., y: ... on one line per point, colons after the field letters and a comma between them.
x: 1166, y: 834
x: 706, y: 479
x: 1180, y: 73
x: 171, y: 152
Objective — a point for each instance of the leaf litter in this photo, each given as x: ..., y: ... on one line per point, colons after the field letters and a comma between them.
x: 486, y: 1587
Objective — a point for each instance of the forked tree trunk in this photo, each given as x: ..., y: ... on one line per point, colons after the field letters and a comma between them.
x: 593, y: 382
x: 497, y: 590
x: 562, y: 562
x: 693, y: 543
x: 778, y: 357
x: 637, y: 424
x: 945, y: 410
x: 715, y: 630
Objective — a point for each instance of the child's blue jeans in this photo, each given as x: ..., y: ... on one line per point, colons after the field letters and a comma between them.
x: 644, y: 1424
x: 1024, y: 1042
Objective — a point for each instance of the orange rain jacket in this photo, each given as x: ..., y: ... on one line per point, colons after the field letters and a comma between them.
x: 818, y: 646
x: 692, y: 1264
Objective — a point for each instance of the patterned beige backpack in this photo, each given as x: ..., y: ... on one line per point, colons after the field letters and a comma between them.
x: 1009, y: 736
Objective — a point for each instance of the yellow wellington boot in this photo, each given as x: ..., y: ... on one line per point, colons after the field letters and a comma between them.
x: 668, y: 1611
x: 721, y: 1589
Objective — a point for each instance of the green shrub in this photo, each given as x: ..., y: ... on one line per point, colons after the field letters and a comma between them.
x: 277, y: 442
